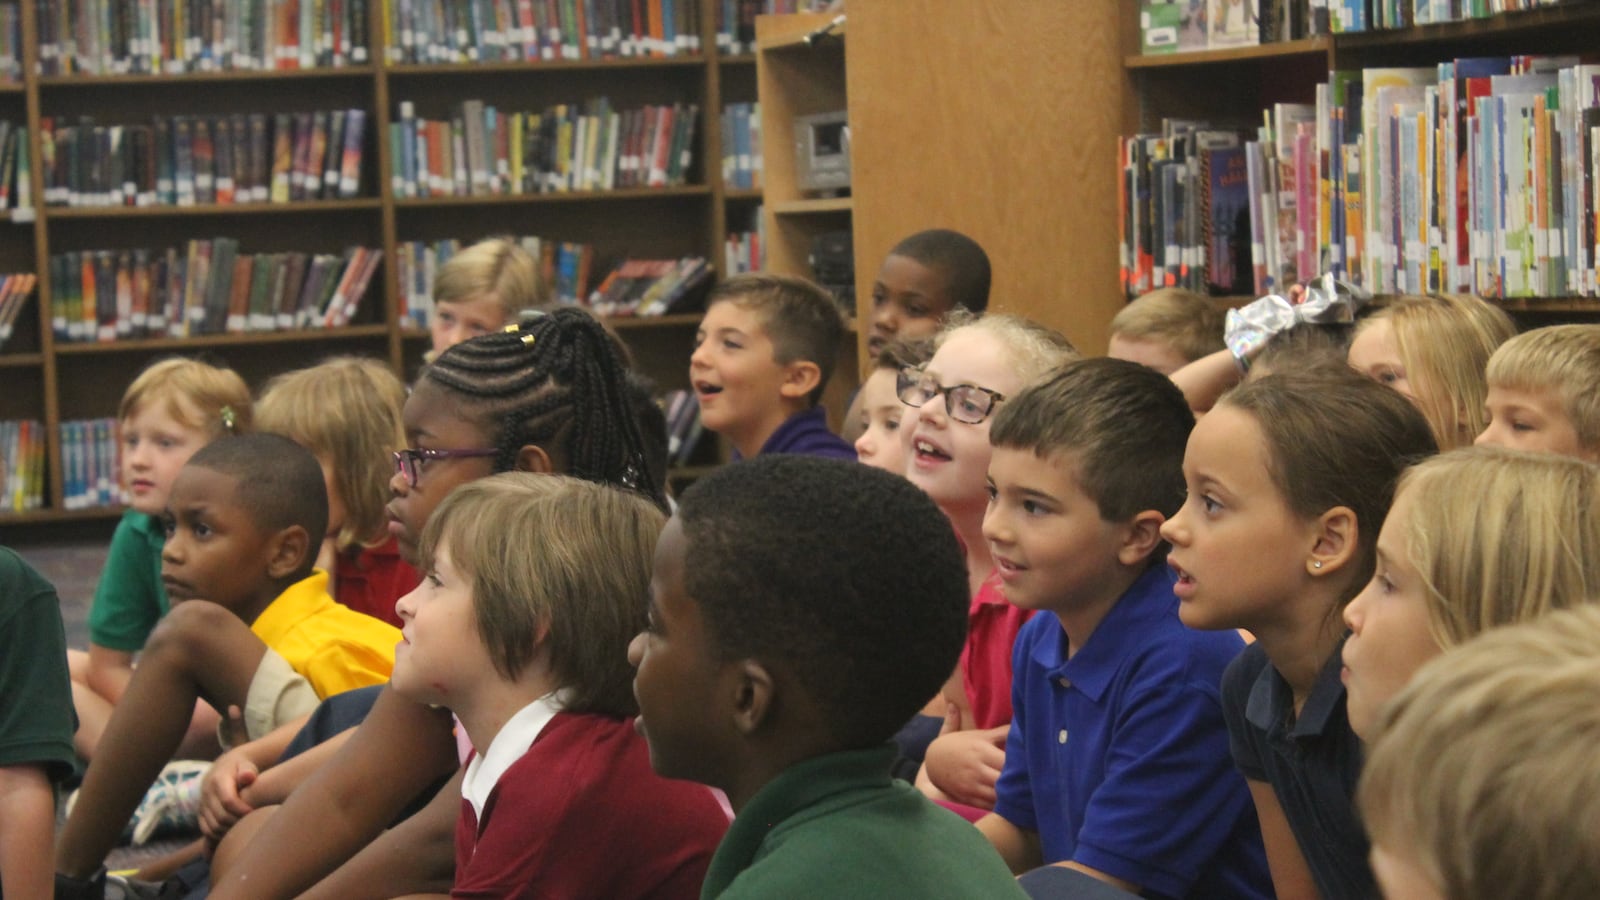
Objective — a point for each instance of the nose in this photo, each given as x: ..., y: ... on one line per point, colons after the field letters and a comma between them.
x: 1173, y: 529
x: 398, y: 486
x: 405, y: 607
x: 865, y: 445
x: 1486, y: 437
x: 636, y: 650
x: 1355, y: 611
x: 886, y: 320
x: 697, y: 359
x: 138, y: 455
x: 172, y: 550
x: 994, y: 525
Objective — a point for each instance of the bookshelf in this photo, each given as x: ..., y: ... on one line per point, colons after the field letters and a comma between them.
x: 50, y: 380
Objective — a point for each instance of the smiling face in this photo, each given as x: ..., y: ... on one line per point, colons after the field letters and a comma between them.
x: 1536, y: 421
x: 433, y: 421
x: 155, y: 445
x: 949, y: 460
x: 881, y: 444
x: 455, y: 321
x: 441, y: 657
x: 737, y: 378
x: 214, y: 550
x: 1239, y: 550
x: 1389, y: 631
x: 909, y: 300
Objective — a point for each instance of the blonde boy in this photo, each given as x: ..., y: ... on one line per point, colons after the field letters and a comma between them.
x: 1166, y: 330
x: 1544, y: 392
x: 1481, y: 777
x: 763, y: 355
x: 482, y: 288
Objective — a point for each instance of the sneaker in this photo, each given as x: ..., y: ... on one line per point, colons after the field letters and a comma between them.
x: 172, y: 803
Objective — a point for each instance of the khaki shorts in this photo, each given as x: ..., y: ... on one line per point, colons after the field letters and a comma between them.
x: 277, y: 694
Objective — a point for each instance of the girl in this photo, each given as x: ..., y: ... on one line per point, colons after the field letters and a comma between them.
x: 1476, y: 539
x: 515, y: 630
x: 1433, y: 349
x: 482, y: 288
x: 879, y: 409
x: 975, y: 366
x: 346, y: 411
x: 174, y: 407
x: 1289, y: 478
x: 550, y: 398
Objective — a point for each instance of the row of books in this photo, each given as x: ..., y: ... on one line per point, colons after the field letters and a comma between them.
x: 14, y: 293
x: 205, y: 287
x: 746, y: 249
x: 1185, y: 212
x: 22, y: 452
x: 16, y: 171
x: 91, y: 463
x: 741, y: 145
x: 187, y: 160
x: 481, y: 150
x: 563, y: 265
x: 683, y: 425
x: 1175, y: 26
x: 736, y: 20
x: 652, y: 287
x: 113, y: 37
x: 10, y: 43
x: 1476, y: 175
x: 470, y: 31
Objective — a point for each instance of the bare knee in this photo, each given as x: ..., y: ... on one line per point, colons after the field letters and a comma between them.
x: 236, y: 842
x: 185, y: 627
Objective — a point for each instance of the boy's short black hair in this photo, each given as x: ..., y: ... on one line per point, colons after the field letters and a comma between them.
x: 1126, y: 424
x: 846, y: 576
x: 802, y: 320
x: 277, y: 482
x: 964, y: 264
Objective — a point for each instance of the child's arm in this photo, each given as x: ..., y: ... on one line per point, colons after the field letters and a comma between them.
x: 963, y: 766
x: 249, y: 776
x: 1018, y: 847
x: 109, y: 671
x: 1205, y: 380
x: 27, y: 832
x: 1291, y: 877
x: 416, y: 856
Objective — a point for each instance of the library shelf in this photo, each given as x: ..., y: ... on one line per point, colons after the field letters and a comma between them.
x: 814, y: 206
x: 41, y: 516
x: 308, y: 207
x: 736, y: 59
x: 518, y: 67
x: 662, y: 193
x: 20, y: 360
x: 179, y: 79
x: 244, y: 339
x: 784, y: 39
x: 13, y: 87
x: 1508, y: 24
x: 1304, y: 47
x: 742, y: 194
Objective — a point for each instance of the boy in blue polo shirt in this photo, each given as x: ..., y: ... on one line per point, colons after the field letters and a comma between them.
x: 1117, y: 762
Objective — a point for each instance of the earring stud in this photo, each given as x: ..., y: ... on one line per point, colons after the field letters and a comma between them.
x: 1317, y: 564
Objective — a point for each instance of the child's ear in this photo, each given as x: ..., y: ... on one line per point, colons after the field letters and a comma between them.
x: 800, y: 378
x: 752, y: 696
x: 288, y: 550
x: 1337, y: 534
x: 534, y: 458
x: 1140, y: 538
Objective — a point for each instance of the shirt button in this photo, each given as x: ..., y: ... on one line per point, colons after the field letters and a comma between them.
x: 1062, y: 737
x: 1063, y: 682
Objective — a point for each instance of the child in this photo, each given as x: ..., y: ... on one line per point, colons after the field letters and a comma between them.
x: 1482, y: 774
x: 1289, y: 478
x: 922, y: 279
x: 553, y: 397
x: 1476, y: 539
x: 482, y: 288
x: 522, y: 614
x: 1433, y: 350
x: 35, y: 725
x: 763, y: 354
x: 255, y: 628
x: 780, y: 681
x: 881, y: 443
x: 346, y: 411
x: 174, y: 407
x: 1166, y: 330
x: 1087, y: 465
x: 977, y: 365
x: 1544, y: 392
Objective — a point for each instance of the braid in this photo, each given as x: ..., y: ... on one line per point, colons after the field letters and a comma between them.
x: 559, y: 382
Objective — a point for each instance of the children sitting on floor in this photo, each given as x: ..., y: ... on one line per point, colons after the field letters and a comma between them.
x: 1544, y: 392
x: 1117, y: 759
x: 780, y: 680
x: 252, y: 626
x: 762, y: 357
x: 1166, y: 330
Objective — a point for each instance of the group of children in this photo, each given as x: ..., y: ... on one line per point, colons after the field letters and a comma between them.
x: 1031, y: 598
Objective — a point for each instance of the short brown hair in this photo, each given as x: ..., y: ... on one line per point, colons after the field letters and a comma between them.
x: 903, y: 354
x: 347, y: 410
x: 556, y: 554
x: 802, y: 320
x: 1126, y: 425
x: 496, y: 267
x: 1483, y: 770
x: 1184, y: 319
x: 204, y: 397
x: 1564, y: 359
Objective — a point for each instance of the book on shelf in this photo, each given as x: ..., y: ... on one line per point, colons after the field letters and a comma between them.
x: 205, y: 287
x: 736, y: 20
x: 1175, y: 26
x: 684, y: 429
x: 481, y: 150
x: 14, y: 293
x: 1472, y: 176
x: 746, y: 250
x: 741, y: 146
x: 488, y: 31
x: 146, y: 37
x: 91, y: 452
x: 10, y: 43
x: 22, y: 452
x: 188, y: 160
x: 16, y: 181
x: 652, y: 287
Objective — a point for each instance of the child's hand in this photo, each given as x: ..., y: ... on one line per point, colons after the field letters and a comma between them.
x: 221, y: 805
x: 964, y: 765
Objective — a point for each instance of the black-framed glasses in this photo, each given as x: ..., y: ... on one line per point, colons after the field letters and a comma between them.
x: 409, y: 462
x: 964, y: 402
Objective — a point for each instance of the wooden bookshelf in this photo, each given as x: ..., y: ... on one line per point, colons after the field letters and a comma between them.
x: 301, y: 207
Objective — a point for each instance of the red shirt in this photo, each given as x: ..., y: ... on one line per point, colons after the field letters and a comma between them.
x: 371, y: 579
x: 992, y: 626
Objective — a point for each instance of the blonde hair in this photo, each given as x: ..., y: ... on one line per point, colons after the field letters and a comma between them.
x: 214, y: 401
x: 557, y: 561
x: 1483, y: 770
x: 1560, y: 358
x: 1500, y: 536
x: 1184, y: 319
x: 1034, y: 350
x: 497, y: 268
x: 345, y: 410
x: 1445, y: 341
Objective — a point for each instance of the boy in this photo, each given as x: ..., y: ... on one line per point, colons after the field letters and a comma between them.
x: 921, y: 280
x: 481, y: 289
x: 243, y: 520
x: 1481, y: 778
x: 36, y: 725
x: 1166, y: 330
x: 781, y: 680
x: 763, y: 354
x: 1544, y: 392
x: 1117, y: 761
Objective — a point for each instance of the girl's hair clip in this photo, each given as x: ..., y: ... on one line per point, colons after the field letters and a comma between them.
x: 229, y: 420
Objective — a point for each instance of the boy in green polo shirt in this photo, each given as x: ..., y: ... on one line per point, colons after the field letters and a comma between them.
x: 801, y: 610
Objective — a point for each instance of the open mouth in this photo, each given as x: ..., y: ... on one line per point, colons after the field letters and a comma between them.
x: 1185, y: 584
x: 926, y: 451
x: 707, y: 389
